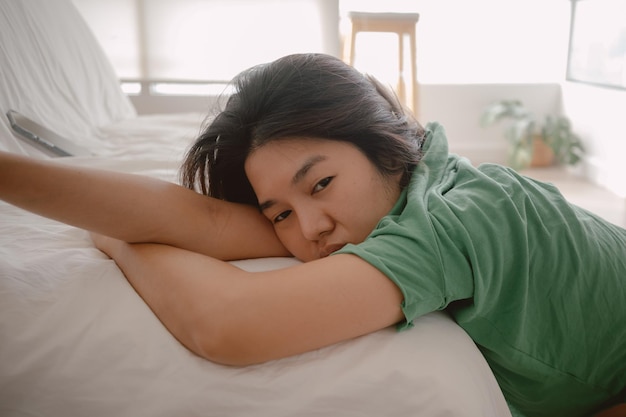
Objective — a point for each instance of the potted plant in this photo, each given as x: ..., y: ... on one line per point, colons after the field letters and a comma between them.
x: 534, y: 143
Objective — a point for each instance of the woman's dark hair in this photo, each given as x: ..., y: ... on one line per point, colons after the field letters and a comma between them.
x: 303, y: 95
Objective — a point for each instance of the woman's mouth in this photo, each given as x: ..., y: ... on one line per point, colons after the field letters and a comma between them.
x: 329, y: 249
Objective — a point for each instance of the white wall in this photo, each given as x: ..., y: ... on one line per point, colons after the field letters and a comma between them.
x: 459, y: 107
x: 599, y: 116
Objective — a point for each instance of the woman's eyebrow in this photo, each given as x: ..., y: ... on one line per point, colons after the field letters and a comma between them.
x: 266, y: 204
x: 306, y: 167
x: 298, y: 176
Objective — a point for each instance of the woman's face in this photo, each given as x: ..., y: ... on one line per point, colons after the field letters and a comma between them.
x: 319, y: 194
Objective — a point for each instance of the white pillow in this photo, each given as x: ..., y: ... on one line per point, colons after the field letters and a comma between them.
x: 55, y: 72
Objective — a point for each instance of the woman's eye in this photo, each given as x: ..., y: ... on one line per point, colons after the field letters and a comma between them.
x: 322, y: 184
x: 282, y: 216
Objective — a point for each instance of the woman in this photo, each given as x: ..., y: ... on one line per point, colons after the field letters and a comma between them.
x: 312, y: 159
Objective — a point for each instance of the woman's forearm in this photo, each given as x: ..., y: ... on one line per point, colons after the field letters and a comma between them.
x: 235, y: 317
x: 136, y: 208
x: 92, y: 199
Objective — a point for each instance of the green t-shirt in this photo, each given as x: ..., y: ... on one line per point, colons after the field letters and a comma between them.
x: 538, y: 283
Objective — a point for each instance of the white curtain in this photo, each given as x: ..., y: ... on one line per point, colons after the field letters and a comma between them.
x: 207, y: 40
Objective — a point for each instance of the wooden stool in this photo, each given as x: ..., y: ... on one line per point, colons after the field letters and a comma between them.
x: 400, y: 23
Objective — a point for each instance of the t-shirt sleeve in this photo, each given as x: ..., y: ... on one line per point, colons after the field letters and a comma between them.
x: 414, y: 262
x: 427, y: 266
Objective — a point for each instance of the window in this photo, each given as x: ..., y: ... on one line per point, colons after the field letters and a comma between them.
x: 206, y: 40
x: 210, y: 41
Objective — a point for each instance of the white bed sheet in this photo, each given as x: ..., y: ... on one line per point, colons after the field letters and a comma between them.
x: 75, y: 338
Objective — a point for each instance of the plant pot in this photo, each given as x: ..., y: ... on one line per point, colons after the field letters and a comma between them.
x: 543, y: 155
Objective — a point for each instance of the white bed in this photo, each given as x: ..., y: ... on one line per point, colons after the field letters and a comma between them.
x: 76, y: 340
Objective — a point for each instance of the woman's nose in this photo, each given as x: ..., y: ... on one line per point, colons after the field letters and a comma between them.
x: 314, y: 224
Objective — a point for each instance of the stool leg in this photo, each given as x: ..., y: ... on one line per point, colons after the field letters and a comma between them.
x: 347, y: 46
x: 414, y: 86
x: 401, y: 89
x: 352, y: 45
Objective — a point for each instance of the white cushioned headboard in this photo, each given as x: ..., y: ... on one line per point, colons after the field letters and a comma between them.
x: 55, y: 72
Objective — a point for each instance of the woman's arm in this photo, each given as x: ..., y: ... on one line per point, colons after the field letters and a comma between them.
x: 235, y: 317
x: 135, y: 208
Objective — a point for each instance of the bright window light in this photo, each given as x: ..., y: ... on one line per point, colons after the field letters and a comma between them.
x: 206, y: 39
x: 190, y: 89
x: 131, y: 88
